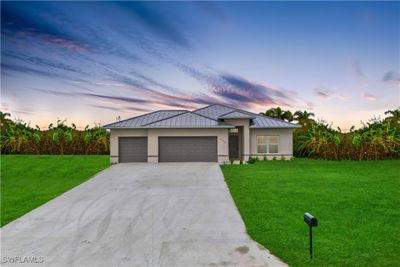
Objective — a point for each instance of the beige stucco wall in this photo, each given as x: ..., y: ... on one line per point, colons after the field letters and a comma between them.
x: 285, y: 142
x: 249, y: 140
x: 152, y: 139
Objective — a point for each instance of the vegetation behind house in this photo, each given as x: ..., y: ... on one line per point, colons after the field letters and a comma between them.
x: 377, y: 139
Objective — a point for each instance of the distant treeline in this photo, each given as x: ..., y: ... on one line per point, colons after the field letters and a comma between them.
x: 377, y: 139
x: 17, y: 137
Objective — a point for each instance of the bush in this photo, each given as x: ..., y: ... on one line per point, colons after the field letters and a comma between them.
x: 283, y: 158
x: 251, y: 160
x: 18, y: 137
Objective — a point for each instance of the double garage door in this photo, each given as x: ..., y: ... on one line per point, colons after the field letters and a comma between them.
x: 170, y: 149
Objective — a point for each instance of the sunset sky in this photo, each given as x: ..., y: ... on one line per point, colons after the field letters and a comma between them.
x: 90, y: 62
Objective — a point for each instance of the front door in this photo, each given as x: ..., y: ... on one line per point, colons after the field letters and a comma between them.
x: 233, y: 147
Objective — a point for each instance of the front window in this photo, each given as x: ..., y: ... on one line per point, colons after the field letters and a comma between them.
x: 267, y: 144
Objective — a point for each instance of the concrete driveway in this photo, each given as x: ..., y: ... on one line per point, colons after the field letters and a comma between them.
x: 167, y: 214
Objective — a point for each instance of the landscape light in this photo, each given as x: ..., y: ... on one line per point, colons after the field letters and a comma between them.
x: 311, y: 221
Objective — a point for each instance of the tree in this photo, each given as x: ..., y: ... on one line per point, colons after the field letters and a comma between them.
x: 304, y: 117
x: 278, y: 113
x: 394, y: 115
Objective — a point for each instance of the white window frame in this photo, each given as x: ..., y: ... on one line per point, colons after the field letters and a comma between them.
x: 267, y: 144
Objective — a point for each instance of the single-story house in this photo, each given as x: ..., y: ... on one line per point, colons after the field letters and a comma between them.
x: 216, y: 133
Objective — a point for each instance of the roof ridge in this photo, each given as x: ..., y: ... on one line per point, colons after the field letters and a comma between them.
x: 201, y: 115
x: 186, y: 111
x: 131, y: 118
x: 107, y: 125
x: 193, y: 111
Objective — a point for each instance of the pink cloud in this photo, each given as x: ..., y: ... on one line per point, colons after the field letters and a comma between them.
x: 369, y: 97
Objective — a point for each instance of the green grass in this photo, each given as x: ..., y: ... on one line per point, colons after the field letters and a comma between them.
x: 357, y: 205
x: 30, y: 181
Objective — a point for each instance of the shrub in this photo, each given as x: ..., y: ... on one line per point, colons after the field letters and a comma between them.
x: 283, y: 158
x: 251, y: 160
x: 274, y: 158
x: 265, y: 158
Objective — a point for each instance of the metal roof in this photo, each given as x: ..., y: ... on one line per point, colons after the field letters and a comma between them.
x: 137, y: 122
x: 207, y: 117
x: 261, y: 121
x: 258, y: 121
x: 214, y: 111
x: 236, y: 115
x: 188, y: 120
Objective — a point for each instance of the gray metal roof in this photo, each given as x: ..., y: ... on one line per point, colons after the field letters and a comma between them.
x: 258, y: 121
x: 207, y: 117
x: 142, y: 120
x: 236, y: 115
x: 188, y: 120
x: 261, y: 121
x: 214, y: 111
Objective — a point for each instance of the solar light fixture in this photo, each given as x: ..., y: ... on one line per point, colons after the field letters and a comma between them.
x: 311, y: 221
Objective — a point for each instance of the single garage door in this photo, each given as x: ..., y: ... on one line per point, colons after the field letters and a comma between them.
x: 187, y: 149
x: 132, y: 149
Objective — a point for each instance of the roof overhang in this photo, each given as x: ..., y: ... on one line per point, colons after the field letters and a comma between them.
x: 170, y: 127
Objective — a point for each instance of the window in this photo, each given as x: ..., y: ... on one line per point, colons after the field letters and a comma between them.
x: 267, y: 144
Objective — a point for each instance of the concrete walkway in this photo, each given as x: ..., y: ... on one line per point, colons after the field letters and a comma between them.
x: 167, y: 214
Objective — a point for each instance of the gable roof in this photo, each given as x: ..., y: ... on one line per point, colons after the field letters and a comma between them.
x: 189, y: 120
x: 144, y: 119
x: 257, y: 121
x: 236, y: 115
x: 212, y: 116
x: 214, y: 111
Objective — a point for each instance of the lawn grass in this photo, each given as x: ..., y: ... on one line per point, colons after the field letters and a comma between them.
x: 30, y: 181
x: 357, y: 205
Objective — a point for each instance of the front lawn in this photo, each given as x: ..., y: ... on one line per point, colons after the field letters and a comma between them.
x: 357, y: 205
x: 30, y: 181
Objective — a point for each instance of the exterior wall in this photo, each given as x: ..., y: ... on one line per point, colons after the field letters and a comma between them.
x: 152, y: 140
x: 248, y: 143
x: 244, y: 136
x: 285, y: 142
x: 115, y: 133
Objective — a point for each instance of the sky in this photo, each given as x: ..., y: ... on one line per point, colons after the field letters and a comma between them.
x: 91, y: 62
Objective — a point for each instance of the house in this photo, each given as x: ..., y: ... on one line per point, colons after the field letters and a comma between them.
x: 216, y: 133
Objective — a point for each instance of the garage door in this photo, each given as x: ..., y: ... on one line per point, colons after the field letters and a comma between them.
x: 188, y: 149
x: 132, y: 149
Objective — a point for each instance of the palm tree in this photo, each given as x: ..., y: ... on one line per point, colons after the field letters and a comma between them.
x: 287, y: 116
x: 278, y: 113
x: 304, y: 117
x: 394, y: 115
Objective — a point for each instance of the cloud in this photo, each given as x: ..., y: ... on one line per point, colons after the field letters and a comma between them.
x: 369, y: 97
x: 157, y: 21
x: 6, y: 68
x: 131, y: 108
x: 323, y: 93
x: 326, y: 93
x: 392, y: 78
x: 40, y: 62
x: 19, y: 20
x: 237, y: 90
x: 362, y: 79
